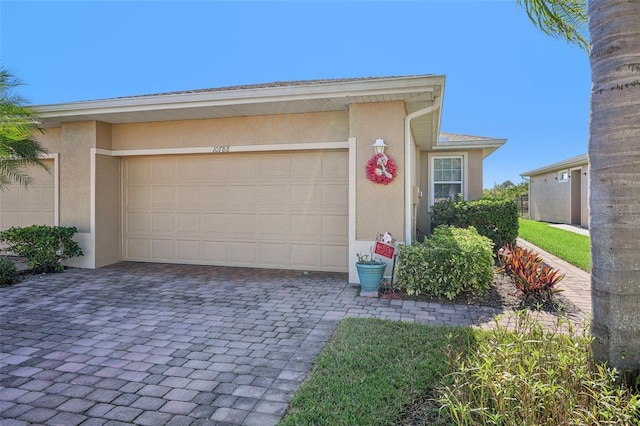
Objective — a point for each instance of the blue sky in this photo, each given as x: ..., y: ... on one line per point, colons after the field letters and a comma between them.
x: 505, y: 79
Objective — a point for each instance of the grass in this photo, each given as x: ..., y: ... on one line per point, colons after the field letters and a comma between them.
x: 371, y: 370
x: 569, y: 246
x: 381, y: 372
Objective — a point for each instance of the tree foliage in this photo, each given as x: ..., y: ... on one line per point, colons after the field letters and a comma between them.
x: 18, y: 122
x: 507, y: 191
x: 561, y: 19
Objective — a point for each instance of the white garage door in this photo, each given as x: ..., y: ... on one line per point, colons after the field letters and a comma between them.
x: 20, y: 206
x: 273, y: 210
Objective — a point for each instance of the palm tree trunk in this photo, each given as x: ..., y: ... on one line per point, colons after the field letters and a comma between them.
x: 614, y: 159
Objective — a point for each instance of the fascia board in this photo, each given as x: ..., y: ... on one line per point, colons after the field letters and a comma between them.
x: 565, y: 164
x: 244, y: 96
x: 481, y: 144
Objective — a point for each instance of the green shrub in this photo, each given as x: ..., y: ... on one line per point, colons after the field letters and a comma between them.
x: 494, y: 219
x: 536, y: 281
x: 8, y: 271
x: 45, y: 247
x: 450, y: 262
x: 526, y: 374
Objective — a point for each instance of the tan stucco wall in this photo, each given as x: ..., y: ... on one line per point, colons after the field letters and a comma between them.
x: 107, y: 238
x: 51, y: 138
x: 379, y: 208
x: 75, y: 177
x: 549, y: 200
x: 272, y: 129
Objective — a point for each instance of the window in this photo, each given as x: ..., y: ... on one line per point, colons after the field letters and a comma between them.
x: 563, y: 176
x: 447, y: 178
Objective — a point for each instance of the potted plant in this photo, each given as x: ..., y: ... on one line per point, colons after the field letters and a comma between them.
x: 370, y: 272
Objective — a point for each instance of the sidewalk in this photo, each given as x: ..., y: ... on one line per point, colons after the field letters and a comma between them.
x: 576, y: 284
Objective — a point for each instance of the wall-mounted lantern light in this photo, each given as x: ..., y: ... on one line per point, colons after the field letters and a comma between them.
x: 379, y: 146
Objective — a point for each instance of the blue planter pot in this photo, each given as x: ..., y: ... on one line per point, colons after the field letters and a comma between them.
x: 370, y: 276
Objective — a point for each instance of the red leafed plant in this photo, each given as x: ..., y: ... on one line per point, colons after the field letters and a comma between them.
x: 536, y: 280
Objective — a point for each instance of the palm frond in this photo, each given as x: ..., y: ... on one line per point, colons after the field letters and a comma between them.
x: 561, y: 19
x: 18, y: 122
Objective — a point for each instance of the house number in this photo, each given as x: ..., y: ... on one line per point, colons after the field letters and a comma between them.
x: 221, y: 148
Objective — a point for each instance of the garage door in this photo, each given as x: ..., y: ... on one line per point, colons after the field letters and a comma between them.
x: 273, y: 210
x: 20, y: 206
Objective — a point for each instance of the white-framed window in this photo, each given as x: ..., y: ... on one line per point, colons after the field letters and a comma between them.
x: 563, y: 176
x: 447, y: 177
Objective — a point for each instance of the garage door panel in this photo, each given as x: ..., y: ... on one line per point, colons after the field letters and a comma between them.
x: 162, y: 249
x: 188, y: 169
x: 305, y: 255
x: 305, y: 166
x: 161, y: 223
x: 214, y: 198
x: 242, y: 168
x: 188, y: 223
x: 136, y: 249
x: 136, y: 197
x: 214, y: 252
x: 137, y: 223
x: 277, y: 168
x: 273, y: 255
x: 334, y: 257
x: 305, y: 198
x: 243, y: 226
x: 275, y: 210
x: 334, y: 228
x: 273, y: 226
x: 241, y: 198
x: 213, y: 168
x: 188, y: 250
x: 273, y: 197
x: 335, y: 165
x: 188, y: 197
x: 305, y: 227
x: 162, y: 169
x: 334, y: 198
x: 242, y: 253
x: 135, y: 169
x: 214, y: 225
x: 162, y: 197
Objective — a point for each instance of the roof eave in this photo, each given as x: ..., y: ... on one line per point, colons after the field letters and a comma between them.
x: 565, y: 164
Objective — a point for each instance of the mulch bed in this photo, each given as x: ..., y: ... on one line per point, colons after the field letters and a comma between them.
x: 501, y: 294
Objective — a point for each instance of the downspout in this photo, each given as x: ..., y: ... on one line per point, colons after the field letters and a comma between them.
x: 408, y: 166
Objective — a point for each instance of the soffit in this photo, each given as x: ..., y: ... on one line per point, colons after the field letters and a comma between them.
x: 268, y: 99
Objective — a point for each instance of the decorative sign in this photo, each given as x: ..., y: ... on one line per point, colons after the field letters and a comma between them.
x: 385, y: 245
x: 221, y: 148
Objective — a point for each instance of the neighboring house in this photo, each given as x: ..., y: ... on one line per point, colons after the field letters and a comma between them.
x: 558, y: 193
x: 266, y: 175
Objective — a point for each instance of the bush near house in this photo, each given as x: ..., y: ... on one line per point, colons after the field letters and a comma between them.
x: 494, y: 219
x: 44, y: 247
x: 8, y: 271
x: 450, y: 262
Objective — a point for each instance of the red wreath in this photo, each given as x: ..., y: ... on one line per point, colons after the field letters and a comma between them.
x: 381, y: 169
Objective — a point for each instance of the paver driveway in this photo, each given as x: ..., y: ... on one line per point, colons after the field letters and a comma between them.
x: 178, y: 345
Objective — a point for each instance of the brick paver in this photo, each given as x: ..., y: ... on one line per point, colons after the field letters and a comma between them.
x: 153, y: 344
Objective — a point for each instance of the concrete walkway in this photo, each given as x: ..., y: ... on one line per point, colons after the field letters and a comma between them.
x: 157, y: 344
x: 573, y: 228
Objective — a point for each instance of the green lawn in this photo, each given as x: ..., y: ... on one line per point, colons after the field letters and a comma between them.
x: 569, y: 246
x: 371, y: 369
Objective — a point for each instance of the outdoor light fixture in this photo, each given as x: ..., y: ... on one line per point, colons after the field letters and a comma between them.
x: 379, y: 146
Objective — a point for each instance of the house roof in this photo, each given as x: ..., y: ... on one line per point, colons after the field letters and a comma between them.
x: 456, y: 141
x: 560, y: 165
x: 292, y: 97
